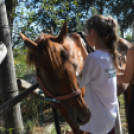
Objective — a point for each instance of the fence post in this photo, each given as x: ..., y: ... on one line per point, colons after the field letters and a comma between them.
x: 56, y: 121
x: 8, y: 84
x: 118, y: 128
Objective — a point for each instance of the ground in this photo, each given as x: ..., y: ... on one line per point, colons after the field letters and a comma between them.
x: 48, y: 128
x: 47, y: 125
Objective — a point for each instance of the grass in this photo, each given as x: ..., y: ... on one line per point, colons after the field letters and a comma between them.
x: 21, y: 68
x: 122, y: 101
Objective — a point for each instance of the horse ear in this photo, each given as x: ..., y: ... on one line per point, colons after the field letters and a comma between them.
x: 29, y: 43
x: 62, y: 35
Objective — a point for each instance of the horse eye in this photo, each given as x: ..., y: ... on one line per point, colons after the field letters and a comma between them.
x: 75, y: 66
x: 64, y: 54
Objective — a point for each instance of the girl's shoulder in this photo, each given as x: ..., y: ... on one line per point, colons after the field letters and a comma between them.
x: 93, y: 57
x: 96, y: 54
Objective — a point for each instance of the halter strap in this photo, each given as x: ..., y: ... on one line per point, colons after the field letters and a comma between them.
x: 42, y: 85
x: 58, y: 98
x: 73, y: 94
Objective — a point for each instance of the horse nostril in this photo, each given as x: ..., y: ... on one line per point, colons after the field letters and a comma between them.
x: 83, y: 118
x: 79, y: 119
x: 88, y: 111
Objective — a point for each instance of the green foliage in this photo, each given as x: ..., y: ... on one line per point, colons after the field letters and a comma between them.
x: 128, y: 37
x: 50, y: 14
x: 33, y: 17
x: 21, y: 67
x: 121, y: 100
x: 94, y: 10
x: 123, y: 9
x: 7, y: 130
x: 10, y: 130
x: 79, y: 27
x: 29, y: 125
x: 2, y: 128
x: 53, y: 130
x: 31, y: 113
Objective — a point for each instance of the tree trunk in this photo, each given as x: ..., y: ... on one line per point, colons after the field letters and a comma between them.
x: 8, y: 84
x: 118, y: 128
x: 10, y: 4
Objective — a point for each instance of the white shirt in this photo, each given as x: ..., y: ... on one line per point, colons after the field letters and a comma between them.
x: 99, y: 77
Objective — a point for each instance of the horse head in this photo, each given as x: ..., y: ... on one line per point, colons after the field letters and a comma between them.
x: 57, y: 59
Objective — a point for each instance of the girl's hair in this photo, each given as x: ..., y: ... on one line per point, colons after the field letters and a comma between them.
x: 107, y: 29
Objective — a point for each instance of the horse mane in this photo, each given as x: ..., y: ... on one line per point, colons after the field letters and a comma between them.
x: 52, y: 58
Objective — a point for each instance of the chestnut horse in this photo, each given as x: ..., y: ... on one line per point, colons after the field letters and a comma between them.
x: 57, y: 61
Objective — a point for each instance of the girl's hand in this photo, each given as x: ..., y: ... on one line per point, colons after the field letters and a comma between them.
x: 76, y: 37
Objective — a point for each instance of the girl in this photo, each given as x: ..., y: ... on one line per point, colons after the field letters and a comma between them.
x: 99, y: 74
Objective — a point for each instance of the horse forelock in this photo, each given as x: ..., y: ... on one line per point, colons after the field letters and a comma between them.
x: 69, y: 43
x: 75, y: 53
x: 56, y: 60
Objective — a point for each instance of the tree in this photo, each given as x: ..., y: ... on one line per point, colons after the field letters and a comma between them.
x: 10, y: 7
x: 8, y: 84
x: 124, y: 11
x: 48, y: 16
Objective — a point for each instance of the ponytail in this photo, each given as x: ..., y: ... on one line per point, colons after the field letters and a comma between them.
x: 112, y: 39
x: 107, y: 29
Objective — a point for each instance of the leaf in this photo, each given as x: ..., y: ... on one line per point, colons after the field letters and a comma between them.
x: 21, y: 13
x: 2, y: 128
x: 79, y: 14
x: 75, y: 2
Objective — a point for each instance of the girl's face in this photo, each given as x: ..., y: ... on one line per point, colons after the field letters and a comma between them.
x: 90, y: 38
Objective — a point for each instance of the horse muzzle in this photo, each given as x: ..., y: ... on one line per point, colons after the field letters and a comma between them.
x: 82, y: 118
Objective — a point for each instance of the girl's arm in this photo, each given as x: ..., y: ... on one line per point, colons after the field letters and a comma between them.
x: 84, y: 52
x: 77, y: 39
x: 128, y: 73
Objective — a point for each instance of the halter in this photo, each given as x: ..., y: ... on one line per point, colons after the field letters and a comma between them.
x: 55, y: 98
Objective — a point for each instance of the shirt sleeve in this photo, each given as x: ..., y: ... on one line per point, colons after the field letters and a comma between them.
x: 86, y: 74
